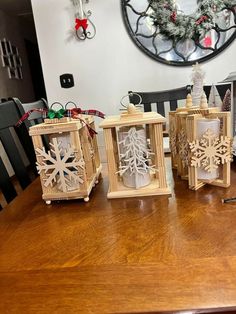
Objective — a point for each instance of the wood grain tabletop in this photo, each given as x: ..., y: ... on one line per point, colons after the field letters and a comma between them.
x: 137, y: 255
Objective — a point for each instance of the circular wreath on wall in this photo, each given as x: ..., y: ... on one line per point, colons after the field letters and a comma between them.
x: 164, y: 30
x: 176, y: 25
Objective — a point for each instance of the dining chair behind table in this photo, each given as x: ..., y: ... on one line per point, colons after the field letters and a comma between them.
x: 35, y: 117
x: 11, y: 137
x: 161, y: 102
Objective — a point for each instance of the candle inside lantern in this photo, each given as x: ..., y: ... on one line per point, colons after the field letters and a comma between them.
x: 202, y: 126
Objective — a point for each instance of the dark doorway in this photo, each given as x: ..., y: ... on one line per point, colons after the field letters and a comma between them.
x: 35, y: 69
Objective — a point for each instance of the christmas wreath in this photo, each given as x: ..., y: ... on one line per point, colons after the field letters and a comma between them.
x: 176, y: 25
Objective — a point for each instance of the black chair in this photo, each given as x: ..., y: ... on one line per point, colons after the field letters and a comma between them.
x: 9, y: 115
x: 35, y: 117
x: 159, y: 98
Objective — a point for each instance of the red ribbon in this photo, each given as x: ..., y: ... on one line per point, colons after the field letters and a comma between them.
x: 173, y: 16
x: 81, y: 23
x: 75, y: 111
x: 28, y: 113
x: 201, y: 19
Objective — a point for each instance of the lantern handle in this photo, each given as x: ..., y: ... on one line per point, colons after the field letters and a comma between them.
x: 70, y: 102
x: 56, y: 103
x: 130, y: 94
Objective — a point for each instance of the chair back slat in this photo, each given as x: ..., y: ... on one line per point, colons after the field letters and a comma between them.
x: 160, y: 108
x: 147, y: 107
x: 173, y: 105
x: 14, y: 157
x: 16, y: 143
x: 6, y: 185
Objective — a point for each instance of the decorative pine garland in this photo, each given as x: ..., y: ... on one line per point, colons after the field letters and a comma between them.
x: 176, y: 25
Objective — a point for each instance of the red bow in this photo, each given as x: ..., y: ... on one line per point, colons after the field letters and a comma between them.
x: 81, y: 23
x: 201, y: 19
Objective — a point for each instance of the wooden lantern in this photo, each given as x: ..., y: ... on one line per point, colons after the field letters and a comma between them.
x: 180, y: 154
x: 209, y: 137
x: 178, y: 139
x: 136, y: 164
x: 69, y: 166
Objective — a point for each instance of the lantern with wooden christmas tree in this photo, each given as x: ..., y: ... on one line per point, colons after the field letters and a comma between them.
x: 135, y: 155
x: 67, y: 157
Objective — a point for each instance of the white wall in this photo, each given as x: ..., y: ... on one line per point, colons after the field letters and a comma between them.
x: 109, y: 65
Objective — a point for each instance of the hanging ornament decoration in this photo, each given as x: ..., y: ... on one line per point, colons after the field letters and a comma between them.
x: 207, y: 41
x: 193, y: 26
x: 84, y: 27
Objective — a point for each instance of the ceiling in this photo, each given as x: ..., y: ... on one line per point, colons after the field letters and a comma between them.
x: 16, y: 7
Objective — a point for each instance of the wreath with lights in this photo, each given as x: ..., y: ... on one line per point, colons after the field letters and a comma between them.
x: 176, y: 25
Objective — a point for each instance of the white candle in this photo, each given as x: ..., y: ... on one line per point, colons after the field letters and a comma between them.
x: 202, y: 126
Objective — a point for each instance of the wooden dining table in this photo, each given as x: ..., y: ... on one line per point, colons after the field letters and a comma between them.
x: 151, y: 254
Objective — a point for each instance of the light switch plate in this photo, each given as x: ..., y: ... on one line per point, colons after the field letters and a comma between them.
x: 67, y: 80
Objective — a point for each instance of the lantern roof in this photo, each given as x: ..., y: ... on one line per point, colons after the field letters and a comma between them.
x: 132, y: 117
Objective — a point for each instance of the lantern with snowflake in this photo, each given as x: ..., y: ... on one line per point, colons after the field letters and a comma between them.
x: 69, y: 166
x: 209, y: 138
x: 136, y: 164
x: 178, y: 136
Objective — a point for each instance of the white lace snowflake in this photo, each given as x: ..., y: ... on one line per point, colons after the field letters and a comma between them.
x: 60, y: 166
x: 210, y: 151
x: 183, y: 147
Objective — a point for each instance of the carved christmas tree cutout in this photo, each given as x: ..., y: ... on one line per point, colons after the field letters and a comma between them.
x: 136, y: 154
x: 60, y: 166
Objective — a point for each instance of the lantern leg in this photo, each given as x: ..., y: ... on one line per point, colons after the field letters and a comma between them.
x: 48, y: 202
x: 111, y: 161
x: 159, y: 154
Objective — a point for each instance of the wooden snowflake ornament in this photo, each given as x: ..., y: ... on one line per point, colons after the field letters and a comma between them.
x: 210, y: 151
x: 70, y: 167
x: 60, y: 166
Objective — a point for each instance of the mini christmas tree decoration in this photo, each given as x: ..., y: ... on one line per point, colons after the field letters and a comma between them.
x: 226, y: 105
x: 209, y: 149
x: 69, y: 166
x: 136, y: 164
x: 214, y: 98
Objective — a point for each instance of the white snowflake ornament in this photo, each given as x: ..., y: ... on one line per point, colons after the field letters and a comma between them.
x: 60, y: 166
x: 210, y: 151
